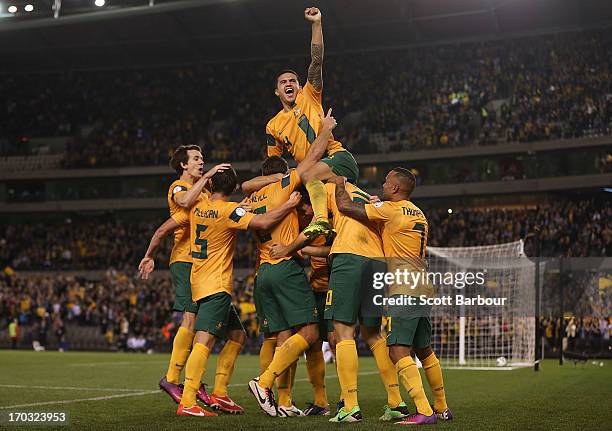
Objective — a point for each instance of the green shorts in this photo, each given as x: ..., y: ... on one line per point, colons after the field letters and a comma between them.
x: 216, y: 315
x: 261, y: 317
x: 412, y: 331
x: 344, y: 164
x: 325, y: 326
x: 181, y: 273
x: 284, y: 296
x: 349, y: 279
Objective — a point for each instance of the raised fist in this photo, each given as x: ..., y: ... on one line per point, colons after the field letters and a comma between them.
x: 312, y: 14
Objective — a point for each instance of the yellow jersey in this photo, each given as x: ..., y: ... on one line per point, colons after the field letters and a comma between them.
x: 181, y: 250
x: 213, y: 228
x: 404, y: 237
x: 404, y: 228
x: 319, y: 274
x: 271, y: 197
x: 352, y: 236
x: 295, y: 130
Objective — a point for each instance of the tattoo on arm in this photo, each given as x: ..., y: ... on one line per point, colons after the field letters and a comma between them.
x: 315, y: 70
x: 352, y: 209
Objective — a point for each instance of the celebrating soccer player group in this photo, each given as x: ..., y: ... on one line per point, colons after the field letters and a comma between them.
x: 348, y: 235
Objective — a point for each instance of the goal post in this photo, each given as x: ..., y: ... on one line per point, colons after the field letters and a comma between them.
x: 490, y: 323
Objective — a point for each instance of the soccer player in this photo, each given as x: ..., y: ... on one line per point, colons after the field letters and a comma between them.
x: 355, y: 253
x: 213, y: 224
x: 319, y: 280
x: 404, y: 235
x: 188, y: 163
x: 296, y: 126
x: 285, y: 302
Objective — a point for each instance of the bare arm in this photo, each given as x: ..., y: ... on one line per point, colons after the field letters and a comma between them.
x: 320, y: 251
x: 187, y: 199
x: 270, y: 219
x: 147, y: 264
x: 260, y: 182
x: 346, y: 205
x: 318, y: 147
x: 279, y: 251
x: 315, y: 70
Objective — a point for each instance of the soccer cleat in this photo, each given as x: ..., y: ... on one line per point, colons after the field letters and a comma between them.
x: 343, y: 416
x: 264, y: 397
x: 202, y: 395
x: 175, y: 391
x: 418, y: 419
x: 225, y: 404
x: 446, y: 415
x: 288, y: 412
x: 395, y: 413
x: 317, y: 228
x: 315, y: 410
x: 194, y: 410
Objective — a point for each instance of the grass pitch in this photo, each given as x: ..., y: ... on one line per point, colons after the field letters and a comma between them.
x: 119, y: 391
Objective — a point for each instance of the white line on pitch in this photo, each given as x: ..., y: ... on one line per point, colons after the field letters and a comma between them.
x: 72, y: 388
x: 109, y: 397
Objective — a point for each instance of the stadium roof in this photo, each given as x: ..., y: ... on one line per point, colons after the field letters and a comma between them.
x: 188, y: 31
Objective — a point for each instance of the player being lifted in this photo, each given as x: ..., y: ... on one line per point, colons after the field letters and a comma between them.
x: 285, y: 301
x: 295, y: 128
x: 404, y: 235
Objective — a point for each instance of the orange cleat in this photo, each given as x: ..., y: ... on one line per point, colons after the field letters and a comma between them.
x: 225, y: 404
x: 195, y: 410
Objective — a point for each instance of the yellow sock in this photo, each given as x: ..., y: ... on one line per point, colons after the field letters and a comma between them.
x: 433, y: 372
x: 194, y: 370
x: 318, y: 199
x: 283, y: 383
x: 286, y: 355
x: 388, y: 375
x: 225, y: 367
x: 315, y: 365
x: 411, y: 379
x: 266, y: 353
x: 292, y: 373
x: 180, y: 350
x: 348, y: 367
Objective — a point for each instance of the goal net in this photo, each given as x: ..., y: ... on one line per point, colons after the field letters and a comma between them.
x: 479, y: 332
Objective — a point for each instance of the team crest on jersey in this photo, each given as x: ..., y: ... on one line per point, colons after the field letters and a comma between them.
x: 297, y: 112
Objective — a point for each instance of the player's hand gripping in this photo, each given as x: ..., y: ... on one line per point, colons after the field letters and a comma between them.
x: 294, y: 199
x: 245, y: 204
x: 312, y: 14
x: 146, y: 267
x: 278, y: 251
x: 328, y: 123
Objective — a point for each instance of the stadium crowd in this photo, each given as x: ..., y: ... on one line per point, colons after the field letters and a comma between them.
x: 569, y: 228
x: 544, y: 87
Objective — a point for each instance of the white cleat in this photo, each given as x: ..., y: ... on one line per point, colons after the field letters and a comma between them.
x: 264, y: 397
x: 289, y: 412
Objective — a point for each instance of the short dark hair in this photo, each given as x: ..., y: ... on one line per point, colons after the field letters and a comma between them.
x: 297, y: 75
x: 407, y: 178
x: 224, y: 182
x: 274, y: 165
x: 180, y: 156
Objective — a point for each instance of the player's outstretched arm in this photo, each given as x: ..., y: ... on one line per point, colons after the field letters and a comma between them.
x: 188, y: 198
x: 319, y: 145
x: 315, y: 70
x: 259, y: 182
x: 317, y: 251
x: 270, y: 219
x: 147, y: 264
x: 344, y: 202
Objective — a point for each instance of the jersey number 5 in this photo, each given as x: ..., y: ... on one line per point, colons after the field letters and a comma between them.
x: 203, y: 253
